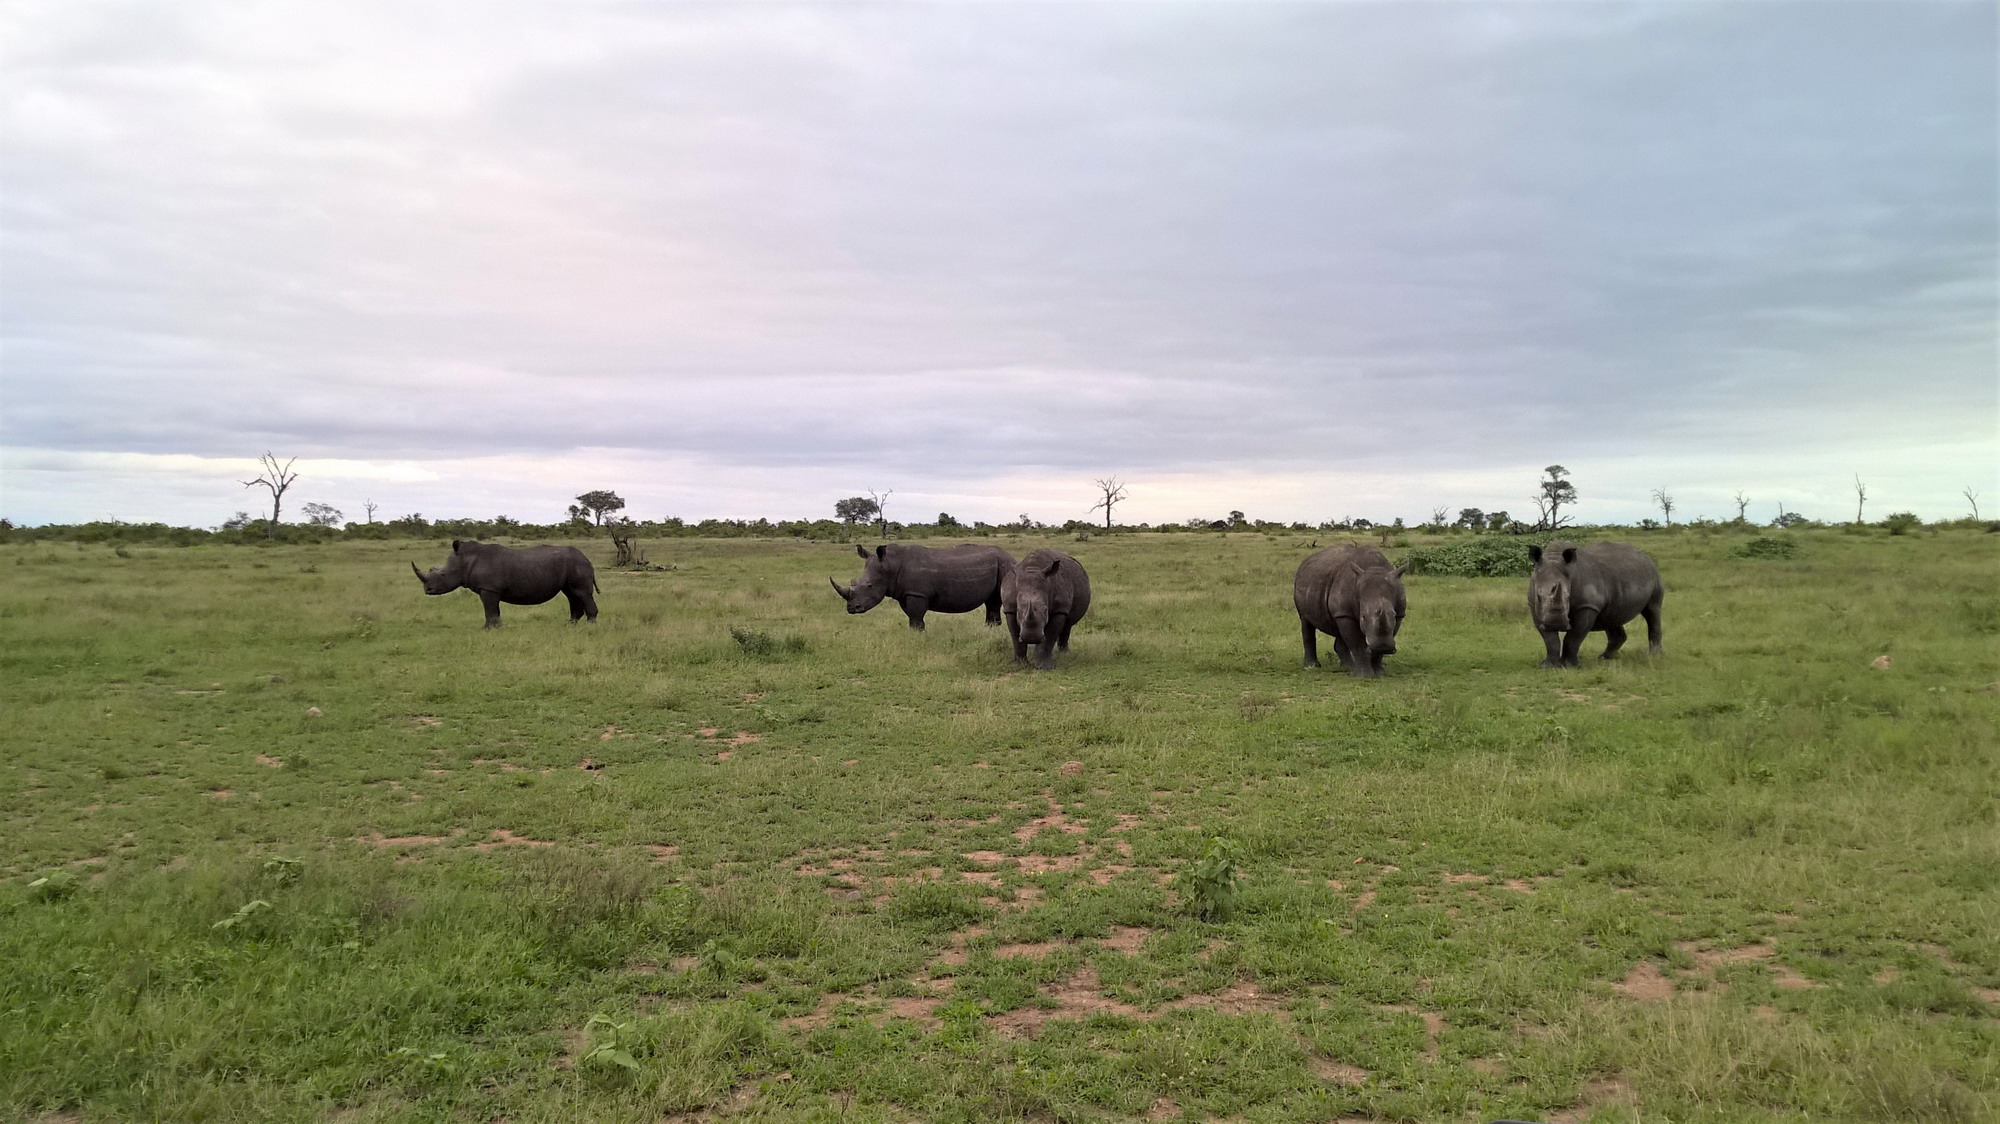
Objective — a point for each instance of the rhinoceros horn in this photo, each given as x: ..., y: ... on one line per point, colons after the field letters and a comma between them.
x: 845, y: 594
x: 414, y: 570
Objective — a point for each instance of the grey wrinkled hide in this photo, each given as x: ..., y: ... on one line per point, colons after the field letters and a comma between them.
x: 1354, y: 595
x: 955, y: 579
x: 528, y: 576
x: 1044, y: 595
x: 1576, y: 591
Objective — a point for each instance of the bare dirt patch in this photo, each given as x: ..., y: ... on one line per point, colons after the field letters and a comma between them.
x: 501, y: 837
x: 1338, y: 1073
x: 986, y: 858
x: 1104, y: 874
x: 1644, y: 982
x: 742, y: 738
x: 1519, y: 886
x: 1464, y: 878
x: 662, y: 852
x: 1125, y: 938
x: 269, y: 762
x: 379, y: 840
x: 222, y: 793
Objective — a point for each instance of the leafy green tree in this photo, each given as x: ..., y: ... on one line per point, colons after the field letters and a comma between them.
x: 856, y: 509
x: 1556, y: 493
x: 597, y: 505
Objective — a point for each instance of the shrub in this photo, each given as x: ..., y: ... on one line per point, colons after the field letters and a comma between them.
x: 1209, y: 888
x: 764, y: 646
x: 1763, y: 546
x: 1482, y: 557
x: 1902, y: 522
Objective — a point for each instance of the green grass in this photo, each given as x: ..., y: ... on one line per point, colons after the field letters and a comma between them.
x: 891, y: 901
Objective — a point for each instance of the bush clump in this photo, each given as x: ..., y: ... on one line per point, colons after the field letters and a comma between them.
x: 1487, y: 556
x: 1764, y: 546
x: 764, y: 646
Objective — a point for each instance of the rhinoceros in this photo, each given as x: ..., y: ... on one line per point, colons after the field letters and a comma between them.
x: 1044, y: 595
x: 527, y: 576
x: 1576, y: 591
x: 1353, y: 594
x: 954, y: 579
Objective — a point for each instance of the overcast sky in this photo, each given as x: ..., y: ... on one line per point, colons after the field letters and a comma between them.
x: 467, y: 257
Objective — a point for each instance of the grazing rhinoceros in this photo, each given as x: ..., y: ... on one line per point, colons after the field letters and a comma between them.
x: 1044, y: 595
x: 1576, y: 590
x: 955, y: 579
x: 1354, y: 595
x: 528, y: 576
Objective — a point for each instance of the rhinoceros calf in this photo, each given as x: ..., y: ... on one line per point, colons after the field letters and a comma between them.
x: 1044, y: 595
x: 1353, y: 594
x: 528, y: 576
x: 955, y: 579
x: 1576, y: 591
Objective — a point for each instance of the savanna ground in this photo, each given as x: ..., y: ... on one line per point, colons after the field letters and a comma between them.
x: 286, y: 840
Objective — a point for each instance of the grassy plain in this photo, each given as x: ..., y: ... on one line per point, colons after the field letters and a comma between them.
x: 837, y: 870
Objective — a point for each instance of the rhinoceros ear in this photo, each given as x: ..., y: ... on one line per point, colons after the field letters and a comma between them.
x: 1397, y: 573
x: 882, y: 552
x: 862, y: 551
x: 1535, y: 554
x: 454, y: 546
x: 1053, y: 567
x: 1569, y: 555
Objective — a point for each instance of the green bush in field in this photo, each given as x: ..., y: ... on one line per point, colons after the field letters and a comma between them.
x: 1764, y: 546
x: 1902, y: 522
x: 1484, y: 557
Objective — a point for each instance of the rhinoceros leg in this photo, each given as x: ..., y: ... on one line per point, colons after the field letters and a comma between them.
x: 915, y: 605
x: 492, y: 603
x: 993, y: 607
x: 1309, y: 639
x: 1045, y: 655
x: 1553, y: 642
x: 1062, y: 642
x: 1614, y: 639
x: 581, y: 605
x: 1351, y: 647
x: 1581, y: 621
x: 1653, y: 630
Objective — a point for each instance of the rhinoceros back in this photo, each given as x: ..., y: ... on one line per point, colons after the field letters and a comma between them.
x: 954, y: 579
x: 1327, y: 584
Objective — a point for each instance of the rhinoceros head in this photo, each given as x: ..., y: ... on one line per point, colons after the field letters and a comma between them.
x: 1380, y: 602
x: 445, y: 578
x: 1548, y: 586
x: 1031, y: 599
x: 873, y: 584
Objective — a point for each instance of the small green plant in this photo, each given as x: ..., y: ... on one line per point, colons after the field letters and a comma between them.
x: 54, y: 886
x: 1764, y: 546
x: 243, y: 913
x: 1209, y: 887
x: 282, y: 870
x: 765, y: 646
x: 610, y: 1043
x: 717, y: 961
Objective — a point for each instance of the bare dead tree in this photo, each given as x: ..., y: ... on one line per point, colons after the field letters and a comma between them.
x: 1113, y: 491
x: 1972, y: 498
x: 1666, y: 501
x: 1742, y: 504
x: 369, y: 507
x: 1438, y: 515
x: 277, y: 478
x: 881, y: 502
x: 1860, y: 497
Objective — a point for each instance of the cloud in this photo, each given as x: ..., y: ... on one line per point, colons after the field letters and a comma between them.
x: 969, y: 247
